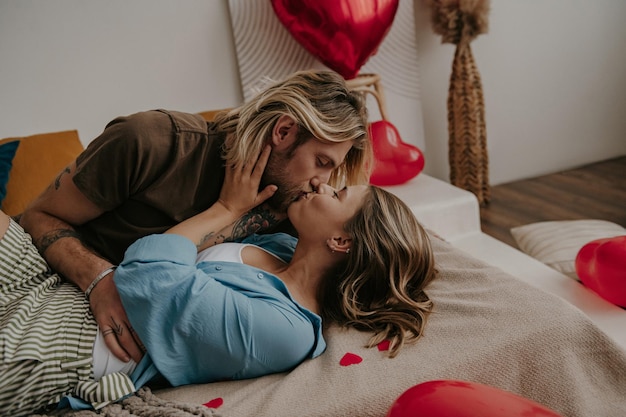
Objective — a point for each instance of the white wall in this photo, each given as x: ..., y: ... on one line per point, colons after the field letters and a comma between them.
x: 76, y: 64
x: 553, y: 73
x: 554, y: 80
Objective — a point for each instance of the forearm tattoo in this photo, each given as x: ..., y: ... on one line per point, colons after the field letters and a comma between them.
x: 51, y: 237
x: 256, y: 220
x: 57, y: 181
x: 211, y: 236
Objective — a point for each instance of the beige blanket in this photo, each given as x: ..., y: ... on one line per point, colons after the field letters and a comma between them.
x: 487, y: 327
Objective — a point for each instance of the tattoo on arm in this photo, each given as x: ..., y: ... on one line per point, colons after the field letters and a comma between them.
x: 51, y: 237
x: 211, y: 236
x: 205, y: 239
x: 256, y: 220
x: 57, y: 181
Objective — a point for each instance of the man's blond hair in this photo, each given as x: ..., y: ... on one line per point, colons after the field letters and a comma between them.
x: 323, y: 108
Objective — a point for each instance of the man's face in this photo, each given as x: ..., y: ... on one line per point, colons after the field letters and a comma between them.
x: 301, y: 169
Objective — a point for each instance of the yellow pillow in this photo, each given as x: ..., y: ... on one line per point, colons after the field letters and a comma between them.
x: 38, y: 160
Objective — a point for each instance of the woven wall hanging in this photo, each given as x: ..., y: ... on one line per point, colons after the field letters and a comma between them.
x: 459, y: 22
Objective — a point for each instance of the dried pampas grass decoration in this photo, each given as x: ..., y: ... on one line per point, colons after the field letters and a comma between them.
x: 459, y: 22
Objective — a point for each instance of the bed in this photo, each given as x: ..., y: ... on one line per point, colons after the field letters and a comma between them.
x: 487, y: 327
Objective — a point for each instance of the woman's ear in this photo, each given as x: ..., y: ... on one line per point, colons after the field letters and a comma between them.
x: 339, y: 244
x: 284, y: 132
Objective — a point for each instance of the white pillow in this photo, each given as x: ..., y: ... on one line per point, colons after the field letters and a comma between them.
x: 556, y: 243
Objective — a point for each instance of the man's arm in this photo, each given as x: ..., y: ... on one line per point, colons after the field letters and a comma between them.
x: 50, y: 220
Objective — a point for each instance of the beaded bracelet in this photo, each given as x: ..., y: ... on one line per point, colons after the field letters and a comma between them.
x: 97, y: 280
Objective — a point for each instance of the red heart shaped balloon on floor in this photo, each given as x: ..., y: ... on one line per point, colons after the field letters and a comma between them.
x: 395, y: 162
x: 601, y: 266
x: 342, y: 34
x: 448, y: 398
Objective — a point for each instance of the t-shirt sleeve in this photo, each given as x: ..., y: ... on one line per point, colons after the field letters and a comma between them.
x: 200, y: 329
x: 128, y: 156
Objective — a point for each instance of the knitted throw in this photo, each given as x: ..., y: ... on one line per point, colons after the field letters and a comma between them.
x: 142, y: 404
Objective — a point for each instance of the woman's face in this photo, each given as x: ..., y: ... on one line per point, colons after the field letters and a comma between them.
x: 325, y: 210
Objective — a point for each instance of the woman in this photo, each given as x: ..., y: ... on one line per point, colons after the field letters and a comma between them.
x: 207, y: 312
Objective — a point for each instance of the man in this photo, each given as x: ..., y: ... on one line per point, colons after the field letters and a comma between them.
x: 151, y: 170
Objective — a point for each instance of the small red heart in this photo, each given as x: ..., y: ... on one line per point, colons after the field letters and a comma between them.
x: 384, y: 345
x: 350, y: 359
x: 395, y: 162
x: 214, y: 403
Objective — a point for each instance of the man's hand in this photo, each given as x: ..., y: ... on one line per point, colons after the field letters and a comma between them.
x: 119, y: 335
x: 50, y: 220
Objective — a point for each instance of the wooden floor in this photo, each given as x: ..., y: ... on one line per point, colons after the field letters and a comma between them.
x: 595, y: 191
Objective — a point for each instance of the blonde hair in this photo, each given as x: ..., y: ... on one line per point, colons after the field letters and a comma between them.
x: 322, y: 106
x: 380, y: 286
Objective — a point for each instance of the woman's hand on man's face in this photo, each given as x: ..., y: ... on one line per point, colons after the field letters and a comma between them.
x: 240, y: 191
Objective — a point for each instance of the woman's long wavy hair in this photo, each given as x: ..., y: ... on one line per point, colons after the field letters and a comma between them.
x: 380, y: 285
x: 323, y: 107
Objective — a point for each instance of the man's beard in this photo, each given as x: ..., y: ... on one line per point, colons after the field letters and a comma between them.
x: 276, y: 173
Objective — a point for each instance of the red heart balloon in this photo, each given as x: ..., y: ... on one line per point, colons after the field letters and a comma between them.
x: 448, y: 398
x: 601, y: 266
x: 395, y: 162
x: 343, y: 34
